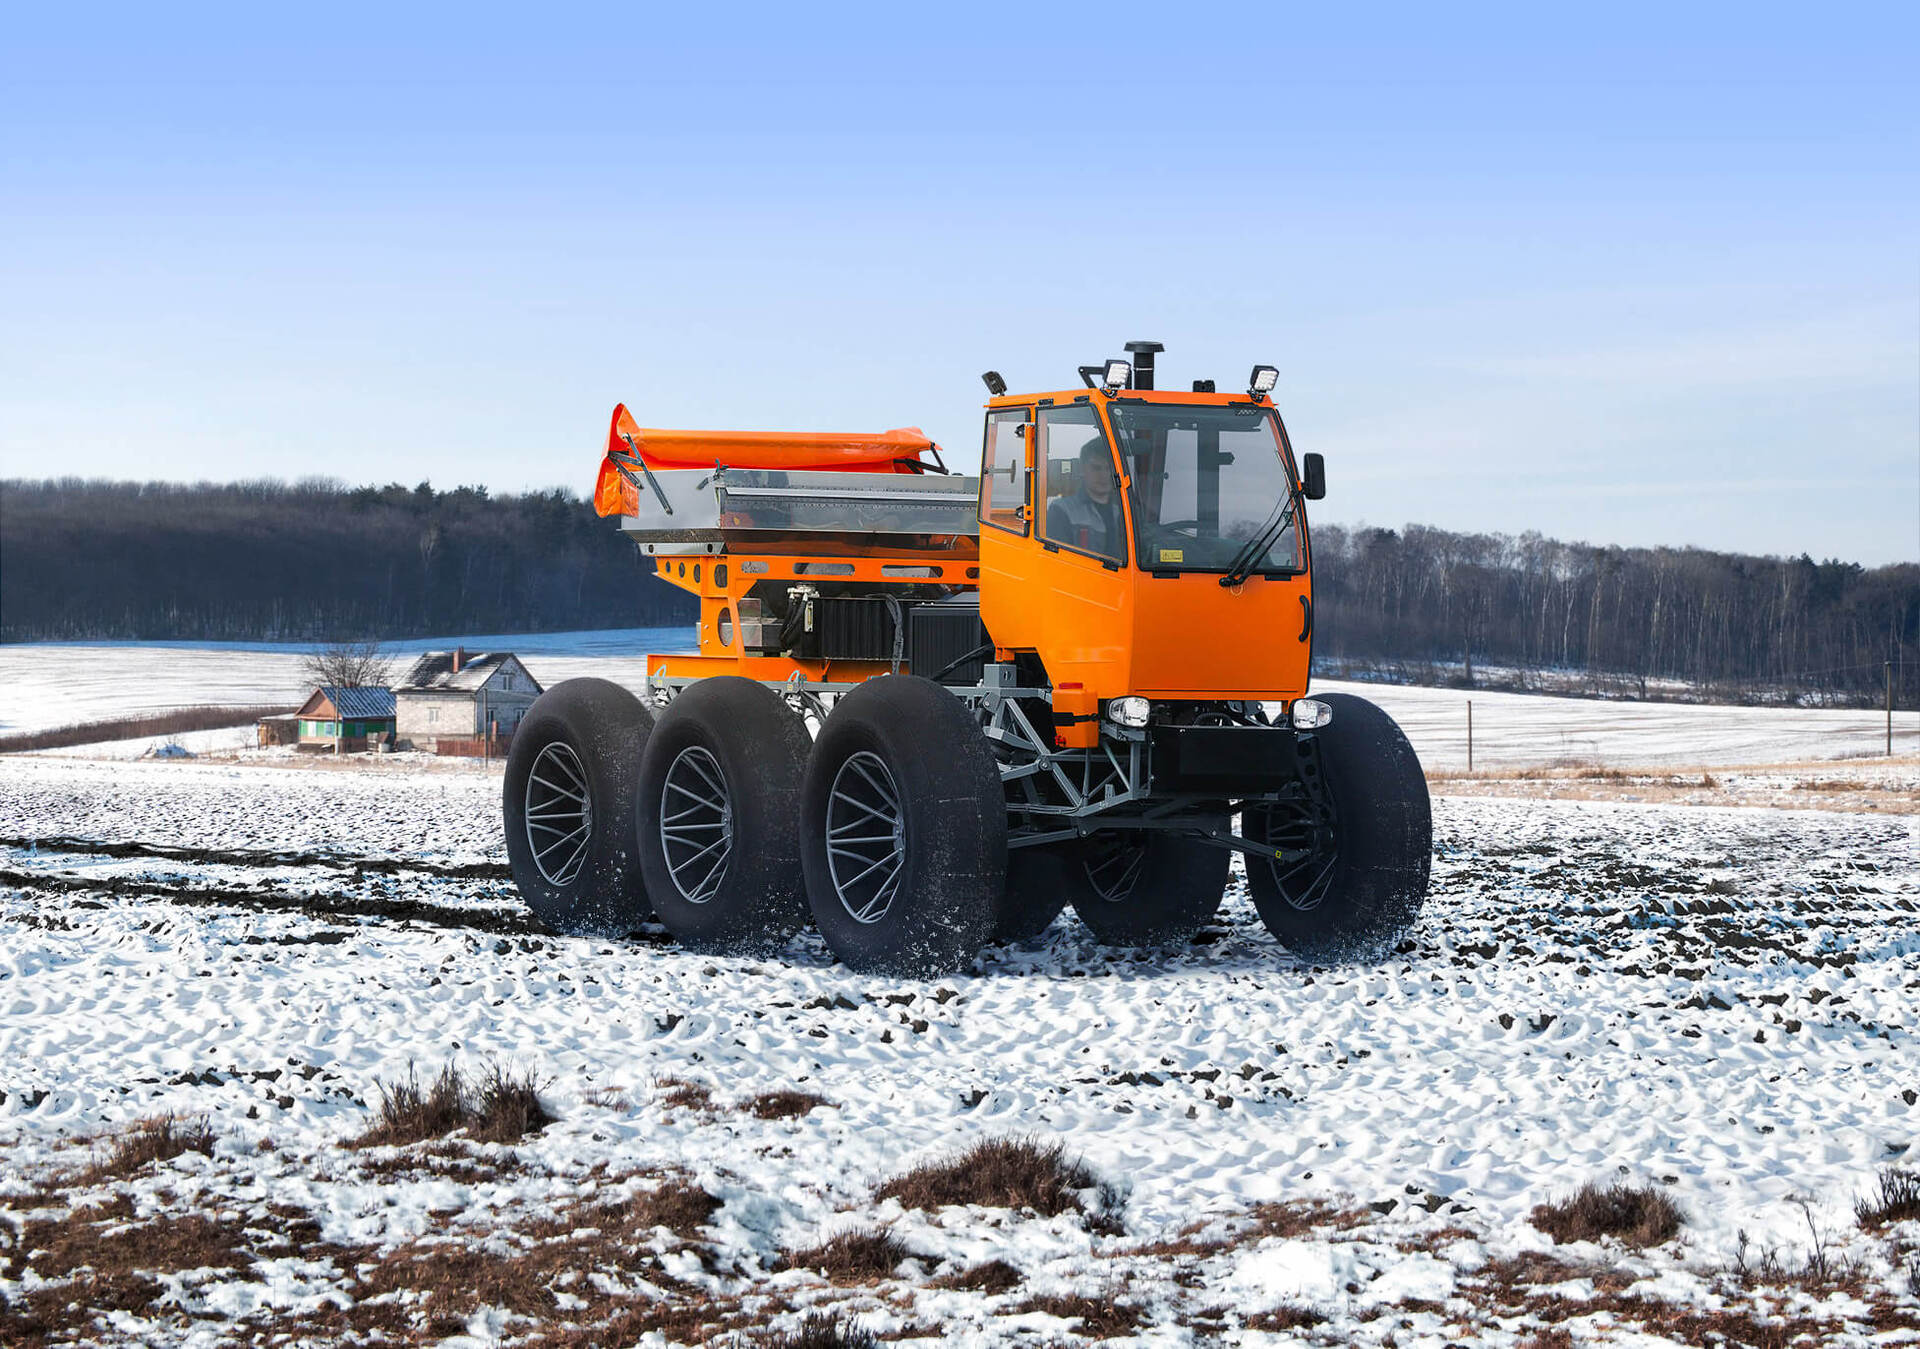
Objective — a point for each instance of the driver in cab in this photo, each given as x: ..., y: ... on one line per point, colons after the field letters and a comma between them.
x: 1088, y: 518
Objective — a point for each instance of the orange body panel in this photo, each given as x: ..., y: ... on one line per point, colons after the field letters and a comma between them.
x: 1103, y: 633
x: 893, y: 451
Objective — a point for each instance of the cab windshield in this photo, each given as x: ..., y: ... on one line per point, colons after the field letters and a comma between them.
x: 1206, y: 481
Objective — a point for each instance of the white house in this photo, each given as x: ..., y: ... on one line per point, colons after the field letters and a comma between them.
x: 451, y: 696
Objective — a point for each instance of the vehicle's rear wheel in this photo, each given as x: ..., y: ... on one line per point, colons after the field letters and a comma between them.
x: 1134, y: 887
x: 718, y: 818
x: 1368, y: 839
x: 903, y: 830
x: 567, y: 802
x: 1038, y: 882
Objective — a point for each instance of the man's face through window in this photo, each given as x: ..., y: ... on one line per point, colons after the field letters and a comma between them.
x: 1096, y: 471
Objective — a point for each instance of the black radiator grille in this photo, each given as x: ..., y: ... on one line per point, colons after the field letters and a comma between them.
x: 940, y: 634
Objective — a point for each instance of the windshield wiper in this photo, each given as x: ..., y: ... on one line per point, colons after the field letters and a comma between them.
x: 1257, y: 546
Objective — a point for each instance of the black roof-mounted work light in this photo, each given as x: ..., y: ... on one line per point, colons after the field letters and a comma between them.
x: 1116, y: 375
x: 995, y: 385
x: 1263, y: 379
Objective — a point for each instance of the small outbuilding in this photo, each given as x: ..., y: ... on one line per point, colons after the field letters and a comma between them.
x: 282, y: 728
x: 345, y: 720
x: 454, y: 702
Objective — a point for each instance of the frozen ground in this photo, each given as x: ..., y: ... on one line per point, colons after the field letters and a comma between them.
x: 1714, y: 1002
x: 56, y: 684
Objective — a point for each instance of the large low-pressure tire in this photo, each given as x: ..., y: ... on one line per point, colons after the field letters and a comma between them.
x: 718, y: 817
x: 1140, y: 888
x: 903, y: 830
x: 1038, y: 882
x: 1362, y: 885
x: 568, y: 806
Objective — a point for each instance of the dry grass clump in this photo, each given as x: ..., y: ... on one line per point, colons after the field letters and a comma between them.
x: 993, y: 1277
x: 678, y: 1205
x: 820, y: 1330
x: 861, y: 1256
x: 153, y: 1140
x: 684, y: 1095
x: 783, y: 1104
x: 499, y: 1108
x: 1636, y: 1215
x: 1280, y: 1218
x: 1100, y: 1318
x: 1015, y: 1173
x: 1897, y: 1199
x: 95, y: 1261
x: 1288, y: 1316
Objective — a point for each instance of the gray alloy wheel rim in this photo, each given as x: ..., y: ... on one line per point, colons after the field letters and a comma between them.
x: 696, y: 824
x: 1302, y: 885
x: 1113, y: 868
x: 866, y: 838
x: 558, y: 814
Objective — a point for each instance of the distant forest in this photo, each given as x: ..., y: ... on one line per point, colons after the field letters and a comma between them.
x: 313, y: 560
x: 1426, y: 605
x: 271, y: 561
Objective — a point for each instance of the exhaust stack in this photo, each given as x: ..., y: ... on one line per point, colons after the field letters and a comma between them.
x: 1142, y: 353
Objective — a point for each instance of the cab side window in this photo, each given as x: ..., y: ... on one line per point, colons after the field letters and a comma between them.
x: 1080, y: 491
x: 1003, y: 471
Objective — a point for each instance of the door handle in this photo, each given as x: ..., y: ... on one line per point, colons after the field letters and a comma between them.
x: 1306, y: 618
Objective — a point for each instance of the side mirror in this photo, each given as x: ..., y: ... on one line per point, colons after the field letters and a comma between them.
x: 1313, y: 478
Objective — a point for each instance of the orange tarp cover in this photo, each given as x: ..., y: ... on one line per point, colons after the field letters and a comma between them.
x: 615, y: 494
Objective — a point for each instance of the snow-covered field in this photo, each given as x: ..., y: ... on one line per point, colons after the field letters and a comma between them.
x: 57, y: 684
x: 1714, y: 1002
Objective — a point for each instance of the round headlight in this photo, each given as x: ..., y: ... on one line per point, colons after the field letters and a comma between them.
x: 1129, y: 711
x: 1310, y: 714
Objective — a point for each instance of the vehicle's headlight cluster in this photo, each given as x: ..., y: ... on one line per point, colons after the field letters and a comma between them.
x: 1310, y: 714
x: 1129, y: 711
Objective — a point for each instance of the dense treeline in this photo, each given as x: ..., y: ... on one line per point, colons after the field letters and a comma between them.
x: 267, y: 560
x: 1619, y: 617
x: 270, y: 560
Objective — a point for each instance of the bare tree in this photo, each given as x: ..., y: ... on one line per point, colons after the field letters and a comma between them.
x: 348, y: 665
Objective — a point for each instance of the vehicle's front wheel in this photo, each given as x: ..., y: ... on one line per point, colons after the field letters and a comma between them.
x: 567, y: 803
x: 1135, y: 887
x: 903, y: 830
x: 1366, y: 837
x: 719, y: 817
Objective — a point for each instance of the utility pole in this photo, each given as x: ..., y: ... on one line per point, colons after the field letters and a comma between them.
x: 1469, y: 735
x: 1889, y: 709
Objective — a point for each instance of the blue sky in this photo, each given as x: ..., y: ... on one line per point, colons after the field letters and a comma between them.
x: 1644, y: 276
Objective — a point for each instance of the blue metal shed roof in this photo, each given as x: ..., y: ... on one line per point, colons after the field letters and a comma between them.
x: 360, y: 703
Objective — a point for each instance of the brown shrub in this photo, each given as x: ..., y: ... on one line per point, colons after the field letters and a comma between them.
x: 783, y: 1104
x: 1100, y: 1318
x: 860, y: 1256
x: 684, y: 1095
x: 1637, y: 1215
x: 1015, y: 1173
x: 1897, y: 1199
x: 500, y: 1108
x: 507, y: 1108
x: 1556, y: 1338
x: 1288, y: 1317
x: 154, y: 1140
x: 995, y: 1276
x: 822, y: 1330
x: 678, y: 1205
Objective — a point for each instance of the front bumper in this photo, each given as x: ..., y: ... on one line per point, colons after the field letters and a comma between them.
x: 1223, y: 760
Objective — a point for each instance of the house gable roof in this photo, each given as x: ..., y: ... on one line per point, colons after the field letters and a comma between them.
x: 434, y: 672
x: 353, y: 703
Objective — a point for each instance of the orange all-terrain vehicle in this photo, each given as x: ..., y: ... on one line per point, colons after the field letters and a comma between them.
x: 929, y: 710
